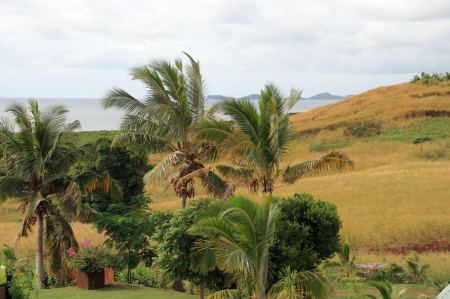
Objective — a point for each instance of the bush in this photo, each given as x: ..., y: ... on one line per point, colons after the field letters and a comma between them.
x: 21, y: 286
x: 430, y: 79
x: 146, y: 276
x: 326, y: 146
x: 90, y: 258
x: 307, y: 233
x: 393, y: 273
x: 363, y: 129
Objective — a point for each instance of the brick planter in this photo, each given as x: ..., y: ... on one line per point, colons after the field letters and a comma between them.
x: 3, y: 294
x: 90, y: 281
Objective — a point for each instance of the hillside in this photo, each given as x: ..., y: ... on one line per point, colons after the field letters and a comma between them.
x: 387, y: 105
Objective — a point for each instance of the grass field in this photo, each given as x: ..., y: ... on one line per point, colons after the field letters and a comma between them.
x: 136, y: 292
x: 111, y: 292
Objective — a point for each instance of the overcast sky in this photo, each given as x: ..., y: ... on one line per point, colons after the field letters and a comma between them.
x: 81, y: 48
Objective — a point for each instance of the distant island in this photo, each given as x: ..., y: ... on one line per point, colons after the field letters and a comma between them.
x: 253, y: 96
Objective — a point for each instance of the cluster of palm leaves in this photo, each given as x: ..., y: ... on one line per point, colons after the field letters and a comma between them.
x: 38, y: 153
x: 237, y: 240
x: 172, y: 120
x: 164, y: 122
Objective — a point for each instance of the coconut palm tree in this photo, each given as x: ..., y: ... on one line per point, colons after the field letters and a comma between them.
x: 37, y: 154
x: 255, y: 141
x: 238, y: 241
x: 163, y: 122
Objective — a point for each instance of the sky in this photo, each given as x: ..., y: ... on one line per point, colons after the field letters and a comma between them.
x: 82, y: 48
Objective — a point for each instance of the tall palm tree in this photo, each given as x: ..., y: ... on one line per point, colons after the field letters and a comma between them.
x: 256, y: 140
x: 163, y: 123
x: 37, y: 153
x: 239, y: 239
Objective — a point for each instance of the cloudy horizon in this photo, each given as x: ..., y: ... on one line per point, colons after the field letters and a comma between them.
x: 81, y: 48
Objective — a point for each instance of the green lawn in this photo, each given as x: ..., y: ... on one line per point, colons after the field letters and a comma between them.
x: 346, y: 291
x: 112, y: 292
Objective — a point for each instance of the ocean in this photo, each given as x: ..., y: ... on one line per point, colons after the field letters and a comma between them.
x: 93, y: 117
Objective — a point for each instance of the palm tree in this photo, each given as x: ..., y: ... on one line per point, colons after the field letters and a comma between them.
x: 238, y: 240
x: 257, y: 139
x: 163, y: 123
x: 416, y: 271
x: 37, y: 153
x: 386, y: 291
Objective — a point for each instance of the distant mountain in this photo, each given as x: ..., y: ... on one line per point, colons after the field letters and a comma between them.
x: 326, y: 96
x: 254, y: 96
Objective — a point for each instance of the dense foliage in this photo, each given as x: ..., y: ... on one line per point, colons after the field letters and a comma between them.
x: 163, y: 123
x: 307, y: 233
x: 175, y: 246
x: 430, y: 79
x: 90, y: 258
x: 255, y: 142
x: 39, y: 153
x: 124, y: 166
x: 125, y: 220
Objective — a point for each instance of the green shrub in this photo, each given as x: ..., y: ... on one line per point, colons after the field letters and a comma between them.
x: 21, y: 286
x: 307, y: 233
x: 430, y: 79
x: 393, y: 273
x: 327, y: 146
x: 363, y: 129
x: 152, y: 277
x: 2, y: 274
x: 416, y: 271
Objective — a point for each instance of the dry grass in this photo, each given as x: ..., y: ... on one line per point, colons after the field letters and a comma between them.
x: 9, y: 226
x: 384, y: 104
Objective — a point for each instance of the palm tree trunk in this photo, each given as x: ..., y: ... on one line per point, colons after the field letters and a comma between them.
x: 183, y: 199
x: 202, y: 291
x: 40, y: 250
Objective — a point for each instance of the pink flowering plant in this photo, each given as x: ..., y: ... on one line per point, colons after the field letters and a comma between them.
x: 89, y: 258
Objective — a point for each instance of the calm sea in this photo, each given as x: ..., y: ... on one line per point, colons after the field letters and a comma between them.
x: 93, y: 117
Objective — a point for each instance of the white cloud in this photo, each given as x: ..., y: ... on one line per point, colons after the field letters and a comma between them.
x: 241, y: 44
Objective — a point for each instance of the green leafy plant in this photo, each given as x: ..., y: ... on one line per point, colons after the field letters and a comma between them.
x: 175, y: 247
x: 430, y: 79
x: 90, y: 258
x: 386, y: 290
x: 421, y: 141
x: 164, y: 123
x: 36, y: 166
x: 21, y: 285
x: 307, y: 233
x: 393, y: 273
x: 416, y: 271
x: 237, y: 240
x: 257, y: 139
x: 2, y: 274
x: 363, y: 129
x: 440, y: 282
x: 152, y: 277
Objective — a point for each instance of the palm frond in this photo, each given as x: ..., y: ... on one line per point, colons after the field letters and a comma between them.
x: 299, y: 285
x: 162, y: 168
x: 227, y: 294
x: 332, y: 162
x: 245, y: 115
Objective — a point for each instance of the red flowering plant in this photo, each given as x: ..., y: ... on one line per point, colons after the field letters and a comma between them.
x: 89, y: 258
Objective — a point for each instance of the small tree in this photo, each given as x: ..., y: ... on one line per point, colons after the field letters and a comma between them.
x: 416, y: 271
x: 175, y: 249
x: 307, y: 233
x: 128, y: 228
x: 421, y: 141
x: 125, y: 221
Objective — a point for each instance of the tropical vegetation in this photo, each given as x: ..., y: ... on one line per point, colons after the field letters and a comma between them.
x: 238, y: 240
x: 38, y: 154
x: 164, y: 122
x: 256, y: 139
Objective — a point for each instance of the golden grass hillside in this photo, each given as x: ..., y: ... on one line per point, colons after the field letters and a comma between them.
x: 384, y: 104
